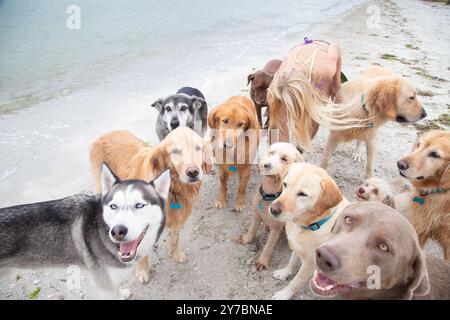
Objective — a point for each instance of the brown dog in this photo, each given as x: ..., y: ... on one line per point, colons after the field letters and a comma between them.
x: 428, y: 169
x: 261, y: 80
x: 309, y: 204
x: 375, y: 254
x: 235, y: 137
x: 183, y: 151
x: 273, y: 166
x: 377, y: 95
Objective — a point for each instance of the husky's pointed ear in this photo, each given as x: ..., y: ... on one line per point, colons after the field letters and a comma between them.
x: 162, y: 184
x: 158, y: 104
x: 108, y: 179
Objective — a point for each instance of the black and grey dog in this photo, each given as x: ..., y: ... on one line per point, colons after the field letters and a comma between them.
x: 185, y: 108
x: 104, y: 235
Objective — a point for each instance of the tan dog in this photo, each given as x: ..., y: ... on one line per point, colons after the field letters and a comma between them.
x: 374, y: 254
x: 183, y: 151
x: 309, y: 204
x: 377, y: 95
x: 235, y: 137
x: 273, y: 166
x: 428, y: 169
x: 260, y: 81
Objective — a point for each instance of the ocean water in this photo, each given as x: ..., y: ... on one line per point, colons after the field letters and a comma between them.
x: 42, y: 59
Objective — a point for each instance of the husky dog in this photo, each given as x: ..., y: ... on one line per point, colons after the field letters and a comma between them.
x: 186, y: 108
x: 104, y: 235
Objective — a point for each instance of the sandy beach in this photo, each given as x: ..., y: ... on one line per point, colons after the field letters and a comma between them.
x: 409, y: 38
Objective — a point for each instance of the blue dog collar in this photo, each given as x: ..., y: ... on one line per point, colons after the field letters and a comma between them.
x: 316, y: 225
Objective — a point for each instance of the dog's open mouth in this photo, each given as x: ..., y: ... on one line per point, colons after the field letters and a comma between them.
x: 128, y: 250
x: 326, y: 287
x: 360, y: 196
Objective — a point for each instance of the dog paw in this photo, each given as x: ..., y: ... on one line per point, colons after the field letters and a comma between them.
x: 244, y: 239
x: 284, y: 294
x: 261, y: 265
x: 219, y: 204
x: 142, y: 275
x: 357, y: 156
x: 179, y: 257
x: 125, y: 294
x: 239, y: 207
x: 281, y: 274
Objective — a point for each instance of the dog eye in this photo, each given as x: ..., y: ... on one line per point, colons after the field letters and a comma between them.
x: 412, y: 98
x: 168, y: 109
x: 139, y: 205
x: 284, y: 185
x: 375, y: 191
x: 183, y: 108
x: 240, y: 124
x: 225, y: 121
x: 113, y: 206
x: 302, y: 194
x: 283, y: 158
x: 434, y: 154
x: 348, y: 220
x: 383, y: 247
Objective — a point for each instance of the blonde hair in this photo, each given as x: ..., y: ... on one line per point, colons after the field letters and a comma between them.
x: 303, y: 103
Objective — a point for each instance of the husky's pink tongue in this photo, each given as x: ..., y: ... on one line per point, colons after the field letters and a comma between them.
x: 127, y: 249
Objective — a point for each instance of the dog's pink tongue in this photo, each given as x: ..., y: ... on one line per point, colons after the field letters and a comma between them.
x: 127, y: 248
x: 324, y: 281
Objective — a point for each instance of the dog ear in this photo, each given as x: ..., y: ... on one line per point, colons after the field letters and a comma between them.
x: 330, y: 196
x: 382, y: 99
x: 388, y: 200
x: 150, y: 162
x: 198, y: 103
x: 212, y: 119
x: 250, y: 78
x: 445, y: 178
x: 158, y: 104
x: 207, y: 158
x: 420, y: 285
x: 162, y: 184
x: 108, y: 179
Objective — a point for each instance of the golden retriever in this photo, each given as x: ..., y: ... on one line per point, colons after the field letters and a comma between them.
x: 378, y: 95
x: 273, y: 166
x: 428, y: 169
x: 235, y: 138
x: 183, y: 151
x: 375, y: 254
x: 309, y: 204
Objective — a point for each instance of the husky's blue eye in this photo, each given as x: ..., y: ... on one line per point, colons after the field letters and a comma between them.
x: 113, y: 206
x: 139, y: 205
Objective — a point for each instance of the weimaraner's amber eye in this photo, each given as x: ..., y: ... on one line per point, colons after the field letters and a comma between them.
x: 348, y: 220
x: 383, y: 247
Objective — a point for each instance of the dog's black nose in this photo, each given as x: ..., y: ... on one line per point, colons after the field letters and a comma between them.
x: 326, y: 260
x: 119, y: 232
x: 424, y: 114
x: 192, y: 172
x: 267, y: 166
x: 275, y: 209
x: 174, y: 124
x: 402, y: 164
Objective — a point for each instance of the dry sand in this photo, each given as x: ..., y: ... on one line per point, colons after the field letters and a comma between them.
x: 412, y: 41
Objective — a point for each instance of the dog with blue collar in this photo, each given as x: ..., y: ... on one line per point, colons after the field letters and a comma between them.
x: 309, y: 205
x: 272, y: 166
